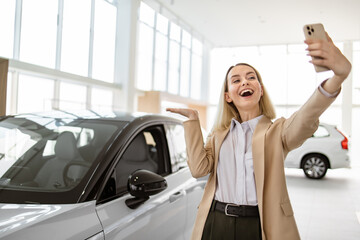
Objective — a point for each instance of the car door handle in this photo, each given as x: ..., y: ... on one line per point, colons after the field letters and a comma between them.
x: 177, y: 195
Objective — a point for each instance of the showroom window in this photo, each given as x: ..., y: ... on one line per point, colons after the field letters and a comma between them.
x: 145, y: 47
x: 71, y: 26
x: 73, y: 96
x: 101, y: 99
x: 39, y: 32
x: 76, y: 37
x: 169, y: 57
x: 174, y: 58
x: 7, y: 21
x: 185, y: 63
x: 104, y: 41
x: 161, y: 53
x: 40, y: 97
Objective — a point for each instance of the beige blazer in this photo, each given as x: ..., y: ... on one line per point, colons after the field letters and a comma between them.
x: 270, y: 144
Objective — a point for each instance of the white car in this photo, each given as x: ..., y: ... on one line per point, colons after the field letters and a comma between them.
x: 73, y: 175
x: 327, y: 148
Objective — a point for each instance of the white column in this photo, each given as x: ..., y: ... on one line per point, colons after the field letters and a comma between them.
x: 125, y: 57
x: 346, y: 105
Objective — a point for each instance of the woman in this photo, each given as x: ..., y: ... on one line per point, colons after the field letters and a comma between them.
x: 246, y: 195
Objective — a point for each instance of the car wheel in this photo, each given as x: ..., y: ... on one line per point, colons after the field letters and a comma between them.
x: 315, y: 166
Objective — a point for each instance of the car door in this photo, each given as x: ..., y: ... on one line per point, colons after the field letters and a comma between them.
x: 160, y: 217
x: 192, y: 188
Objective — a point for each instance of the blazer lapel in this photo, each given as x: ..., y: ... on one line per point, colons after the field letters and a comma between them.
x: 258, y: 151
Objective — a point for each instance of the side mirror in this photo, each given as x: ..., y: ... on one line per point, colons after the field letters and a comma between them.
x: 142, y: 184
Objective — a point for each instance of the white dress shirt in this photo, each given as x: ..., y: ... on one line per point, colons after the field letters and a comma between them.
x: 235, y: 171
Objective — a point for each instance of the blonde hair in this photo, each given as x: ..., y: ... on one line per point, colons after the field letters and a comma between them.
x: 226, y: 111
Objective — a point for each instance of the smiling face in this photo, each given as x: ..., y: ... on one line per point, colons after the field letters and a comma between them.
x: 244, y: 90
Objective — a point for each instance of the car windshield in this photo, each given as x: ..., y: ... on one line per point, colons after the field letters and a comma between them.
x: 50, y: 154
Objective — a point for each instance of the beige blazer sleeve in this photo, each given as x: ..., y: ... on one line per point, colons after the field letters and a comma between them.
x: 200, y: 157
x: 304, y: 122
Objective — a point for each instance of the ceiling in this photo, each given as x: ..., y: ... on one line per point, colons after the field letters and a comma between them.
x: 226, y: 23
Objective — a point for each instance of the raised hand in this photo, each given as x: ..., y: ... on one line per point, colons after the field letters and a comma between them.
x: 331, y: 57
x: 192, y: 114
x: 328, y: 55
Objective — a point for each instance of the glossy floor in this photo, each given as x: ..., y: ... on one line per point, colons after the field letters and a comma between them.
x: 328, y: 208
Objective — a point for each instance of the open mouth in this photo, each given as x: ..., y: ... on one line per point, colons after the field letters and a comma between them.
x: 246, y: 93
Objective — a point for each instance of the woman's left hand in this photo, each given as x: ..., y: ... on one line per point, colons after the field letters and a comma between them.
x: 328, y: 55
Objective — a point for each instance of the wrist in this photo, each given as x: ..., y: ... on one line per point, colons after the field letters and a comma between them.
x: 333, y: 84
x: 344, y: 73
x: 339, y: 79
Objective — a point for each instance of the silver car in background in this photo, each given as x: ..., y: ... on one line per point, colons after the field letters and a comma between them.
x: 90, y: 175
x: 327, y: 148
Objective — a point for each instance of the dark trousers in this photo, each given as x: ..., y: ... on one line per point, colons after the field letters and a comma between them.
x: 218, y: 226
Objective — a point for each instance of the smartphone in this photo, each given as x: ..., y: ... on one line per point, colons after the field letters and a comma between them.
x: 316, y: 31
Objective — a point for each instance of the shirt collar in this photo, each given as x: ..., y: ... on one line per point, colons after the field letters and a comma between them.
x: 252, y: 123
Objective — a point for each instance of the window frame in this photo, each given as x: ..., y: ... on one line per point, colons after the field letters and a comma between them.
x: 177, y: 81
x: 30, y: 67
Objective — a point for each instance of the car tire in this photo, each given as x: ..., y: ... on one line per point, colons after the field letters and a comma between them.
x: 315, y: 166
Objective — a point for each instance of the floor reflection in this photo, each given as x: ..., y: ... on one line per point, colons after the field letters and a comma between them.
x: 326, y: 208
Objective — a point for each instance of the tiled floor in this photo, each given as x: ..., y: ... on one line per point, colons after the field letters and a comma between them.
x: 329, y: 208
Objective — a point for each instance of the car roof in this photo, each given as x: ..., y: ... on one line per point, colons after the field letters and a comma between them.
x: 96, y: 115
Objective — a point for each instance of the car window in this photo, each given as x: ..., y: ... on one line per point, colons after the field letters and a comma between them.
x: 321, y: 132
x: 39, y: 159
x: 84, y: 137
x: 147, y: 150
x: 177, y: 146
x: 13, y: 144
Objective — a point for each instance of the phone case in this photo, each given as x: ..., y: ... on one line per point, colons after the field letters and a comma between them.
x: 316, y: 31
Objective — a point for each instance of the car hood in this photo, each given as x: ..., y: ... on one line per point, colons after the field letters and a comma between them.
x: 15, y: 218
